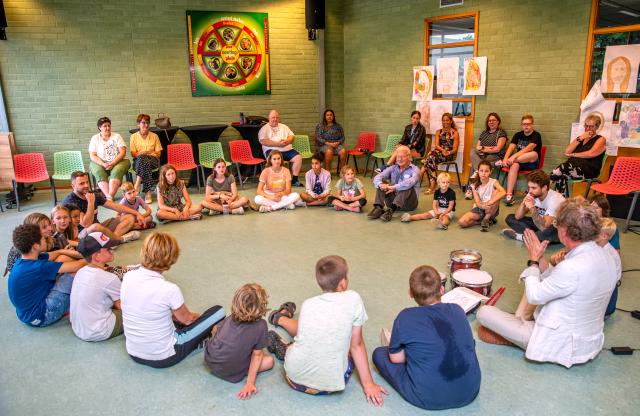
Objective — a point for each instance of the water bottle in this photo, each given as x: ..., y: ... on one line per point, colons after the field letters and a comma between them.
x: 241, y: 118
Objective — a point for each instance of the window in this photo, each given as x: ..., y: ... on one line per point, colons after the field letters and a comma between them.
x: 448, y: 37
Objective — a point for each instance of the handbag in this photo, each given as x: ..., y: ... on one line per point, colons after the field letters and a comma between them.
x: 163, y: 122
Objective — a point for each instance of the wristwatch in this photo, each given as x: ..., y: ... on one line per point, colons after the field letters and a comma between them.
x: 532, y: 262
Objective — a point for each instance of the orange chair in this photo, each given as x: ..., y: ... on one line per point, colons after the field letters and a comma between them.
x: 31, y: 168
x: 624, y: 179
x: 543, y: 154
x: 241, y: 155
x: 366, y: 145
x: 181, y: 157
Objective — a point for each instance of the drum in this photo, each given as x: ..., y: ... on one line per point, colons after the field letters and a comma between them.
x: 443, y: 279
x: 476, y: 280
x: 464, y: 259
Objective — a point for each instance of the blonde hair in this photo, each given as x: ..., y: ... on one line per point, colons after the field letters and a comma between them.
x: 608, y: 226
x: 527, y: 116
x: 159, y: 252
x: 54, y: 210
x: 344, y: 170
x: 58, y: 208
x: 37, y: 218
x: 127, y: 186
x: 330, y: 270
x: 249, y: 303
x: 443, y: 176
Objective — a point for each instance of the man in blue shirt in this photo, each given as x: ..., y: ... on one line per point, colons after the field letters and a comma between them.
x: 397, y: 187
x: 38, y: 287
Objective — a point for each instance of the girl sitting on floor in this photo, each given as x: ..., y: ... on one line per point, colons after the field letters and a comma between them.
x: 171, y: 192
x: 235, y: 351
x: 133, y: 201
x: 73, y: 230
x: 61, y: 222
x: 443, y: 207
x: 318, y: 182
x: 221, y: 196
x: 274, y: 188
x: 351, y: 194
x: 487, y: 193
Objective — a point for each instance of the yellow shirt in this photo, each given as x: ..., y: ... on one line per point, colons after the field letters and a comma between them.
x: 137, y: 143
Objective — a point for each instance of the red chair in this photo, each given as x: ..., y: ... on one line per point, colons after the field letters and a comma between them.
x: 543, y: 154
x: 241, y: 155
x: 31, y: 168
x: 366, y: 145
x: 181, y: 157
x: 624, y: 179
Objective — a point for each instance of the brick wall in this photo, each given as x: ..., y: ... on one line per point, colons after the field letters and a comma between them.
x: 69, y: 62
x: 535, y: 50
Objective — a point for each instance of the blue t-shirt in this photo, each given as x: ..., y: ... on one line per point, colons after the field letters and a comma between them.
x: 615, y: 240
x: 29, y: 284
x: 442, y: 368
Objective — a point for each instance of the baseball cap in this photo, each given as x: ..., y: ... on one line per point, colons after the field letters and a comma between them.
x: 93, y: 242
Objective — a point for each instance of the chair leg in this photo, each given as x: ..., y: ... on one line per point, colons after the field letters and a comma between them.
x: 355, y: 162
x: 198, y: 179
x: 588, y: 189
x: 458, y: 175
x: 239, y: 176
x: 53, y: 191
x: 15, y: 192
x: 367, y: 164
x: 631, y: 209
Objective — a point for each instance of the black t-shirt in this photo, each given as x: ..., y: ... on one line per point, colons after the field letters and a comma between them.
x: 444, y: 198
x: 74, y: 199
x: 521, y: 141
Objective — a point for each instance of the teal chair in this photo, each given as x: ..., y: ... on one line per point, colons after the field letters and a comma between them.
x: 301, y: 145
x: 65, y: 163
x: 588, y: 181
x: 208, y: 153
x: 392, y: 142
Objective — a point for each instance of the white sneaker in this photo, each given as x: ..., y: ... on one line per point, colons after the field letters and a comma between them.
x: 498, y: 164
x: 291, y: 206
x: 406, y: 217
x: 197, y: 216
x: 131, y: 236
x: 264, y: 208
x: 238, y: 211
x: 301, y: 203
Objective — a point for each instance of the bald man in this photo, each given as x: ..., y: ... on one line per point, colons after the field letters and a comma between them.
x: 397, y: 187
x: 277, y: 136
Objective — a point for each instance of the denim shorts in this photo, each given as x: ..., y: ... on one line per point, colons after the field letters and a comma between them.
x: 288, y: 155
x: 57, y: 302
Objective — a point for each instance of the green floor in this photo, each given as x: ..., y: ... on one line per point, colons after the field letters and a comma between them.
x: 49, y: 371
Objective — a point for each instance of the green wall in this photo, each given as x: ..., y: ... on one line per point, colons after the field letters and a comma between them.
x: 535, y: 50
x: 69, y: 62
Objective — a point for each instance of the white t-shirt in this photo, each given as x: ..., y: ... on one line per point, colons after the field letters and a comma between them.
x: 106, y: 150
x: 148, y: 302
x: 485, y: 192
x: 550, y: 204
x: 92, y: 296
x: 616, y: 259
x: 276, y: 134
x: 318, y: 357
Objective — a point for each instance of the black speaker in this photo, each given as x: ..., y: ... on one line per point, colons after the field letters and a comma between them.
x: 314, y: 13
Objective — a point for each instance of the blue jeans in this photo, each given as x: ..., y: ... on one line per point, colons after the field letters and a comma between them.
x: 58, y: 300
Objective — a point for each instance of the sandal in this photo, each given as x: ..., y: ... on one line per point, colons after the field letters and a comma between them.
x: 287, y: 309
x: 276, y: 345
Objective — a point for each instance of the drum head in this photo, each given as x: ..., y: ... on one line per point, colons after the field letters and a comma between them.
x: 466, y: 256
x: 471, y: 277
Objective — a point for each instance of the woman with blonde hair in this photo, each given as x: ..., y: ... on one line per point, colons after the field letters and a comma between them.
x: 160, y: 330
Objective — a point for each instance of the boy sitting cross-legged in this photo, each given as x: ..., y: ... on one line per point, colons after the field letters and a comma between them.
x: 328, y: 337
x: 431, y: 359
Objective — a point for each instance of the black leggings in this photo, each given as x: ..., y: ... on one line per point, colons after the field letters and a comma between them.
x: 144, y: 166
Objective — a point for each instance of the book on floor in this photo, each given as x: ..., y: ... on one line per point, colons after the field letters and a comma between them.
x: 465, y: 297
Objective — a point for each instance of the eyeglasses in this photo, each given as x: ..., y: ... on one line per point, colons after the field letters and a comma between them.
x: 527, y: 124
x: 144, y: 122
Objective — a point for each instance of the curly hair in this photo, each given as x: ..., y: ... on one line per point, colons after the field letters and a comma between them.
x: 249, y: 303
x: 579, y: 218
x: 25, y: 236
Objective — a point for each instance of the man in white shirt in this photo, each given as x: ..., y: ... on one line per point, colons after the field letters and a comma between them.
x: 277, y: 136
x: 95, y: 296
x: 571, y: 297
x: 542, y: 203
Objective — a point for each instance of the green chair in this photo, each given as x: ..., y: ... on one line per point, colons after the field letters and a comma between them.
x: 208, y: 153
x: 65, y: 163
x: 392, y: 142
x: 301, y: 145
x: 588, y: 181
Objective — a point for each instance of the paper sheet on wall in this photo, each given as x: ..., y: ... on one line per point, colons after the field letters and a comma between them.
x: 475, y: 75
x: 629, y: 134
x: 431, y: 113
x: 620, y: 70
x: 603, y: 110
x: 447, y: 81
x: 594, y: 97
x: 422, y: 83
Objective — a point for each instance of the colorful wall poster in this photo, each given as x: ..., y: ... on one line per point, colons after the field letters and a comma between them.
x: 475, y: 75
x: 629, y: 124
x: 431, y: 113
x: 447, y: 81
x: 228, y: 53
x: 620, y: 71
x: 422, y: 83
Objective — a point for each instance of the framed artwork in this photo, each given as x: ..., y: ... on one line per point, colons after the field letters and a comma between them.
x: 228, y: 53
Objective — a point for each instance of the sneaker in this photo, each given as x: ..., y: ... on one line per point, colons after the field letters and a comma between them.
x: 441, y: 225
x: 498, y: 164
x: 508, y: 201
x: 510, y: 233
x: 264, y: 208
x: 130, y: 236
x: 298, y: 184
x: 386, y: 215
x: 253, y: 207
x: 213, y: 212
x: 301, y: 203
x: 375, y: 213
x: 406, y: 217
x: 291, y: 206
x: 276, y: 345
x: 148, y: 198
x: 203, y: 344
x: 484, y: 225
x: 468, y: 194
x: 119, y: 271
x: 197, y: 216
x: 385, y: 337
x: 152, y: 224
x: 377, y: 171
x: 238, y: 211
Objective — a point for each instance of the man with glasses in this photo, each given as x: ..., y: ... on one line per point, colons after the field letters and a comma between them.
x: 523, y: 153
x: 585, y: 155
